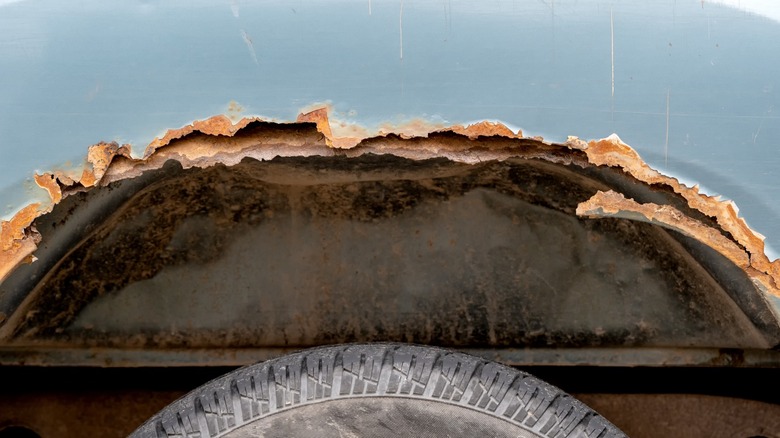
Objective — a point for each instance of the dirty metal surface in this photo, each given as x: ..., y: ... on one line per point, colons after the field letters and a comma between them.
x: 691, y: 84
x: 296, y: 252
x: 711, y: 221
x: 725, y: 251
x: 41, y: 356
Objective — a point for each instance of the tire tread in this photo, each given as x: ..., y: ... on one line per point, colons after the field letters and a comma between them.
x: 369, y: 370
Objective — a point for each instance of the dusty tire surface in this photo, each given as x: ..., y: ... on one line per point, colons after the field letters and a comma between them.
x: 377, y: 390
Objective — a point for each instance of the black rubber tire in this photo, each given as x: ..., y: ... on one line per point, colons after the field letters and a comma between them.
x: 247, y: 401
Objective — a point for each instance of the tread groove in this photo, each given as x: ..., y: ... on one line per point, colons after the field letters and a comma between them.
x: 253, y: 393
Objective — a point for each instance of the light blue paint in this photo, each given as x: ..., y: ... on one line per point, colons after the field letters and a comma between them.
x: 74, y: 74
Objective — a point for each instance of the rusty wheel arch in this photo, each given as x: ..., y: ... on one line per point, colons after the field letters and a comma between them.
x: 236, y: 176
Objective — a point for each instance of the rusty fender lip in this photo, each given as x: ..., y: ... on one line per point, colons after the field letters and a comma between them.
x: 108, y: 162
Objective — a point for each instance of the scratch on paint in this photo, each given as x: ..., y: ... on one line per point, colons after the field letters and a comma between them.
x: 666, y: 142
x: 612, y: 45
x: 250, y: 46
x: 761, y: 125
x: 93, y: 92
x: 369, y: 7
x: 401, y: 29
x: 448, y: 18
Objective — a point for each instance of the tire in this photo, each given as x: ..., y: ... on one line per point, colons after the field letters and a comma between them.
x: 377, y: 390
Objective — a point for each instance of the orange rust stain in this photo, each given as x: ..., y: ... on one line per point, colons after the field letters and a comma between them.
x: 100, y: 156
x: 234, y: 111
x: 99, y: 159
x: 347, y: 130
x: 485, y: 129
x: 169, y: 136
x: 347, y: 135
x: 64, y: 180
x: 217, y: 125
x: 411, y: 128
x: 318, y: 116
x: 48, y: 182
x: 87, y: 178
x: 345, y: 142
x: 613, y: 152
x: 22, y: 252
x: 18, y: 239
x: 13, y: 231
x: 610, y: 203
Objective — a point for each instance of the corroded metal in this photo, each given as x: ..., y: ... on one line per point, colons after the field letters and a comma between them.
x: 462, y: 239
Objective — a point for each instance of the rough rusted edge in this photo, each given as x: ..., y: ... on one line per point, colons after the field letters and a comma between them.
x: 18, y: 240
x: 484, y: 129
x: 613, y: 204
x: 611, y: 151
x: 217, y: 125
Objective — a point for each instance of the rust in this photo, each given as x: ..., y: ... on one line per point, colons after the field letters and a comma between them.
x: 217, y: 125
x: 613, y: 152
x: 320, y: 118
x: 194, y: 145
x: 234, y: 111
x: 18, y: 239
x: 100, y: 157
x: 192, y: 218
x: 410, y: 128
x: 48, y: 182
x: 87, y: 179
x: 612, y: 204
x: 13, y: 231
x: 485, y: 129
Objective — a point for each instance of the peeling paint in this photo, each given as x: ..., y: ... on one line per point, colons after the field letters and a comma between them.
x: 107, y: 162
x: 217, y: 125
x: 613, y: 152
x: 613, y: 204
x: 18, y: 239
x: 476, y: 75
